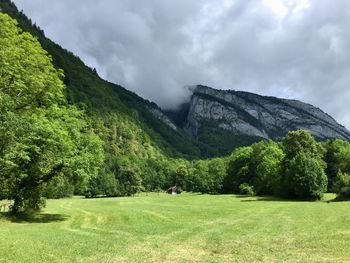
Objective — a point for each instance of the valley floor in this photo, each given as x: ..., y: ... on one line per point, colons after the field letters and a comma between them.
x: 183, y: 228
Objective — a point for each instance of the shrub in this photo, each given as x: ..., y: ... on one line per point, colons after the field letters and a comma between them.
x: 341, y: 186
x: 246, y: 189
x: 344, y: 193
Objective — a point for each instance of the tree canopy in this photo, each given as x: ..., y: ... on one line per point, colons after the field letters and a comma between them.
x: 40, y: 136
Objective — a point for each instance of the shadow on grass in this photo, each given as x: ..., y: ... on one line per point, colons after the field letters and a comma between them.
x: 337, y: 200
x: 272, y: 199
x: 277, y: 199
x: 35, y: 218
x: 243, y: 196
x: 265, y: 199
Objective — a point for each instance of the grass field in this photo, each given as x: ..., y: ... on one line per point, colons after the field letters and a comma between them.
x: 184, y: 228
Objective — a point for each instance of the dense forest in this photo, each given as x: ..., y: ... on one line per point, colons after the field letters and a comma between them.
x: 66, y: 132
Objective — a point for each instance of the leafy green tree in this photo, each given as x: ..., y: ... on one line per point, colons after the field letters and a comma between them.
x: 238, y: 170
x: 267, y: 175
x: 306, y: 178
x: 208, y: 175
x: 303, y: 166
x: 40, y: 137
x: 182, y: 176
x: 59, y: 186
x: 39, y: 148
x: 217, y: 171
x: 342, y: 180
x: 301, y: 141
x: 129, y: 177
x: 337, y: 158
x: 27, y: 76
x: 342, y: 186
x: 200, y: 178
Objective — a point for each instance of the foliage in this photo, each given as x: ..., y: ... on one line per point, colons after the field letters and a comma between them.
x: 303, y: 166
x: 341, y: 186
x: 293, y: 168
x: 27, y: 76
x: 129, y: 177
x: 219, y: 142
x: 208, y: 175
x: 246, y: 189
x: 267, y: 164
x: 40, y: 138
x: 238, y: 169
x: 305, y: 178
x: 59, y: 186
x: 301, y: 141
x: 337, y: 158
x: 182, y: 177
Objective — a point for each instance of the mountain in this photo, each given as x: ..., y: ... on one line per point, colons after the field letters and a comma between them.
x: 247, y: 117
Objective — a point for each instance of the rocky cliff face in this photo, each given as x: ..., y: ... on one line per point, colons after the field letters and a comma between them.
x: 158, y: 113
x: 243, y: 113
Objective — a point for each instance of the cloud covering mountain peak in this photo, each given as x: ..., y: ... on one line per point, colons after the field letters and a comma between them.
x: 293, y: 49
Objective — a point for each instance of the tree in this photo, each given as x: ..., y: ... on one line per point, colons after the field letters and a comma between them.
x: 39, y: 148
x: 342, y: 186
x: 337, y: 158
x: 27, y: 77
x: 129, y: 177
x: 217, y: 171
x: 181, y: 177
x: 200, y: 178
x: 301, y: 141
x: 303, y: 166
x: 238, y: 170
x: 306, y: 178
x: 40, y: 137
x: 267, y: 179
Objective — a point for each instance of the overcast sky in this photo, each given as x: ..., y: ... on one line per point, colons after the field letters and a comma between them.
x: 296, y: 49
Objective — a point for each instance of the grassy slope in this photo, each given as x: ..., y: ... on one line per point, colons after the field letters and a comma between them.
x: 186, y: 228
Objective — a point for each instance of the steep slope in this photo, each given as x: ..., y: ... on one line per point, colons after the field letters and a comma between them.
x: 251, y: 115
x: 101, y: 98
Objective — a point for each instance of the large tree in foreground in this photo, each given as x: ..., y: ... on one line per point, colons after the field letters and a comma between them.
x: 40, y: 136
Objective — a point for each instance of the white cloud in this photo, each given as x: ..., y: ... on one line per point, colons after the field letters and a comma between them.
x: 277, y: 6
x: 286, y: 48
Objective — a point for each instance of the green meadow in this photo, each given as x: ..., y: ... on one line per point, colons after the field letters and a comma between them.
x: 182, y: 228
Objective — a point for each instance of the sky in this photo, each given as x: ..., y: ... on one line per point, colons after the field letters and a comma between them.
x: 297, y: 49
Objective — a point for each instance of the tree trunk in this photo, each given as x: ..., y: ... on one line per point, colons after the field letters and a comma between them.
x: 18, y: 203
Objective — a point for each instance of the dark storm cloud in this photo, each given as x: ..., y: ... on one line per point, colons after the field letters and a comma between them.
x: 296, y: 49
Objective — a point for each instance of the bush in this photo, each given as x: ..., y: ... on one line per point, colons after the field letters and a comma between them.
x: 58, y: 187
x: 341, y: 186
x: 344, y: 193
x: 246, y: 189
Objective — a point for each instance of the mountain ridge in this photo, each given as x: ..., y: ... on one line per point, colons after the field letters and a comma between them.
x: 250, y: 114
